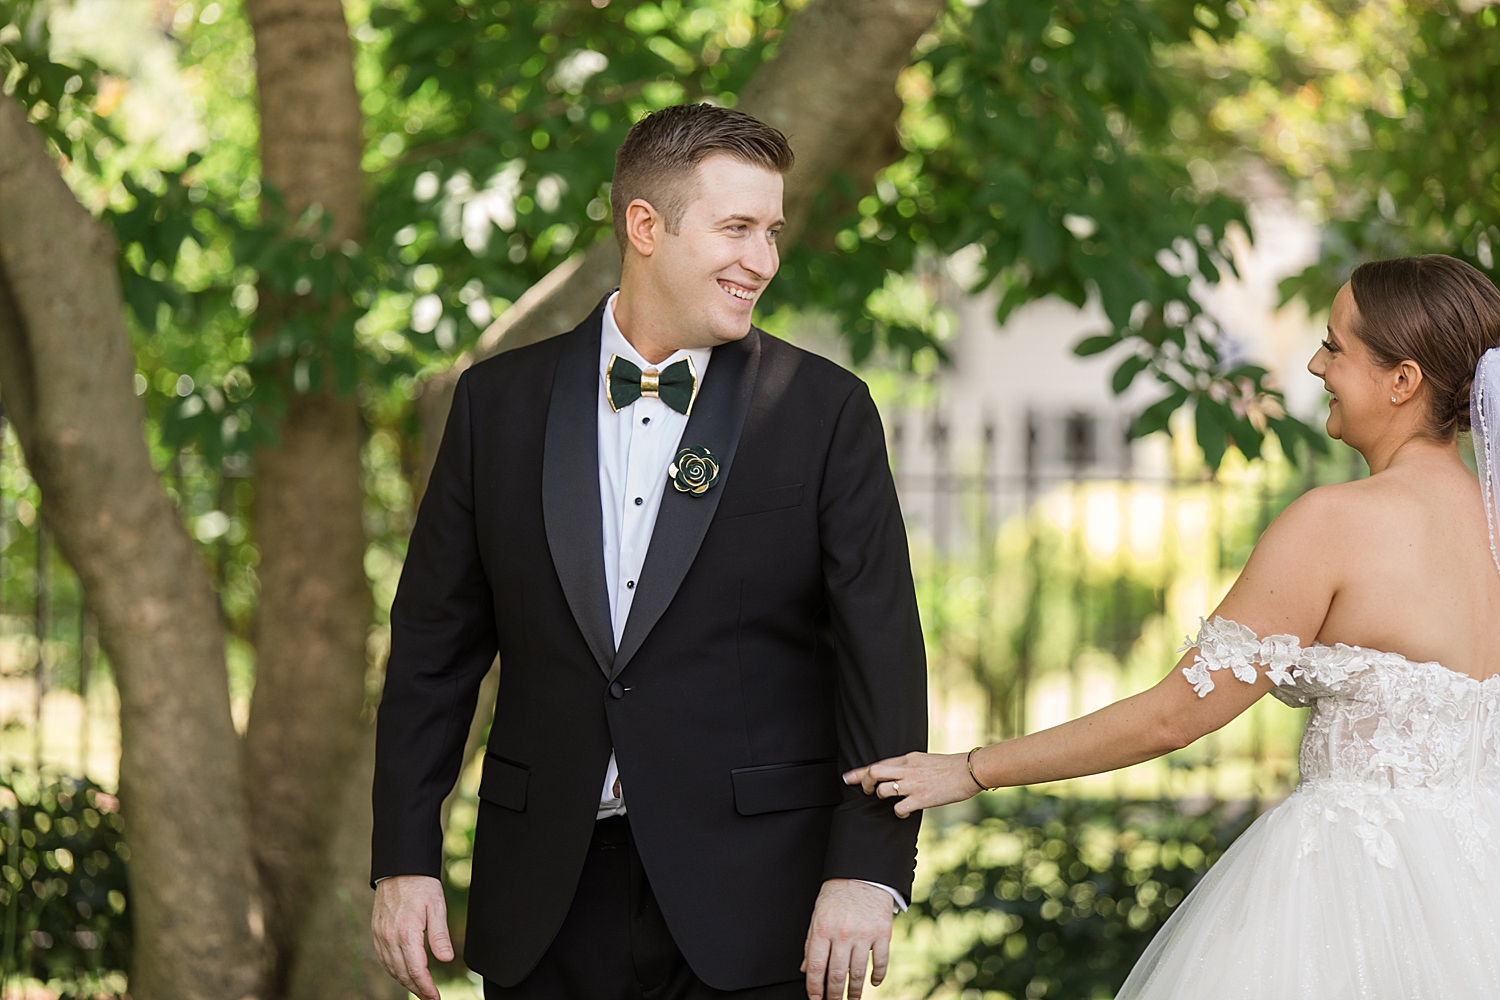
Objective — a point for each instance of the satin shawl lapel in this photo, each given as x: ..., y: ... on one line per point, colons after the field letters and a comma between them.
x: 570, y: 487
x: 718, y: 417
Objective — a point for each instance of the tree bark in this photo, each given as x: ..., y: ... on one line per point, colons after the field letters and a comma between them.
x: 551, y: 307
x: 315, y: 604
x: 830, y: 89
x: 337, y: 959
x: 67, y: 371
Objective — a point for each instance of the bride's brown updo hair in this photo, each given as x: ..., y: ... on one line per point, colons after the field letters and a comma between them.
x: 1437, y: 311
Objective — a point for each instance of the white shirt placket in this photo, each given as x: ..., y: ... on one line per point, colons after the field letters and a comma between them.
x: 640, y: 500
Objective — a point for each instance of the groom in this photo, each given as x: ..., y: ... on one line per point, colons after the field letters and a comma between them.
x: 682, y: 537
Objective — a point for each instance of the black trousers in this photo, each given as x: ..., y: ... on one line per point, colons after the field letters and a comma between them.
x: 614, y: 943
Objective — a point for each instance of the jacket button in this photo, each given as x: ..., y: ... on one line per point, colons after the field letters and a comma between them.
x: 617, y: 690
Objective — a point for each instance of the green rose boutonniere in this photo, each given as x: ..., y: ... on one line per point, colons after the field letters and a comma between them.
x: 694, y: 470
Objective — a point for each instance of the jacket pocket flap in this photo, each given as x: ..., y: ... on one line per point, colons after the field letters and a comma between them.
x: 777, y: 787
x: 761, y: 501
x: 504, y: 782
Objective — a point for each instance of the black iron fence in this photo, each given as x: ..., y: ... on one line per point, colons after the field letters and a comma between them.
x: 1060, y: 578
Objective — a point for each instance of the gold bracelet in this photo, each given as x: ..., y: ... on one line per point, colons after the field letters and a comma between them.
x: 970, y: 760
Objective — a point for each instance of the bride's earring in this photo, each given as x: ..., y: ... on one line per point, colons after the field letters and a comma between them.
x: 1393, y: 399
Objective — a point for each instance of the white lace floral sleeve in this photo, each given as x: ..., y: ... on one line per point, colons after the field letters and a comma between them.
x: 1227, y: 645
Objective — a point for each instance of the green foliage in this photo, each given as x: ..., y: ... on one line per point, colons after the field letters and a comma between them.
x: 1037, y: 141
x: 1027, y: 583
x: 498, y: 123
x: 1036, y: 135
x: 205, y: 262
x: 1430, y: 179
x: 1040, y: 149
x: 1036, y: 600
x: 316, y: 289
x: 1426, y: 178
x: 56, y: 96
x: 1382, y: 116
x: 165, y: 227
x: 1059, y: 897
x: 63, y: 915
x: 1114, y: 612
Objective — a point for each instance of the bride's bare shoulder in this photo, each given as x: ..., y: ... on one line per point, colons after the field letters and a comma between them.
x: 1317, y: 519
x: 1299, y: 562
x: 1388, y: 506
x: 1334, y: 500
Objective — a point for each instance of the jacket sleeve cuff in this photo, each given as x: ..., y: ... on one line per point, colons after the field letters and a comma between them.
x: 896, y: 897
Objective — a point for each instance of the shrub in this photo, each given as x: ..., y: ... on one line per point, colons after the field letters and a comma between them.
x: 63, y: 917
x: 1050, y: 897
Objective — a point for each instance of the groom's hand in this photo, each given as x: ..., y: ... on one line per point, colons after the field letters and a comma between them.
x: 407, y: 909
x: 850, y: 921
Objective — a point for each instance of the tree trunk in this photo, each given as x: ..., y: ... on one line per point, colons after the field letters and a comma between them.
x: 66, y: 370
x: 548, y: 308
x: 315, y: 605
x: 830, y: 88
x: 337, y: 960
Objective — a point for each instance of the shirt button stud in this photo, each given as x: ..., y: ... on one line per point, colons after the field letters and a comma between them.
x: 629, y: 584
x: 645, y: 420
x: 617, y: 690
x: 639, y: 501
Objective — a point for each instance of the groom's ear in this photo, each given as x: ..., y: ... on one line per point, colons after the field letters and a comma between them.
x: 643, y: 226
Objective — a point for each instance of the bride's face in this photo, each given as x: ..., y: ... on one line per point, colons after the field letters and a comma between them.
x: 1359, y: 390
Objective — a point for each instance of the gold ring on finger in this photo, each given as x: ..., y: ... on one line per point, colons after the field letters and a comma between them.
x: 896, y: 787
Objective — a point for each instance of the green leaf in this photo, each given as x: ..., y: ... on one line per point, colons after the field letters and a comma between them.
x: 1289, y: 431
x: 1095, y: 345
x: 1245, y: 436
x: 1156, y: 416
x: 1128, y: 370
x: 1042, y: 242
x: 1017, y: 295
x: 1209, y: 426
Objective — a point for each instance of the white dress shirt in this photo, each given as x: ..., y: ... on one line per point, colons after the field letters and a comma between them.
x: 636, y: 445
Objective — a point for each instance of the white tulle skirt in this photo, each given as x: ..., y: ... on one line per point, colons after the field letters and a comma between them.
x: 1342, y: 893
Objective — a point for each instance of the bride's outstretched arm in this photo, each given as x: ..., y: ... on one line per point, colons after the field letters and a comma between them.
x: 1285, y: 589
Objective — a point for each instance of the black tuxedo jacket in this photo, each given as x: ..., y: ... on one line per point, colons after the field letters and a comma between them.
x: 773, y: 643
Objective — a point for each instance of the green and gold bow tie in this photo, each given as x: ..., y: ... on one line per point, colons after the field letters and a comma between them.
x: 676, y: 385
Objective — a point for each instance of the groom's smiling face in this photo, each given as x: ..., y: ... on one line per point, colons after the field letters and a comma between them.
x: 716, y: 265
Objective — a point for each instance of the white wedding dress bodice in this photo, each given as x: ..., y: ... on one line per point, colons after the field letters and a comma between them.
x: 1380, y: 876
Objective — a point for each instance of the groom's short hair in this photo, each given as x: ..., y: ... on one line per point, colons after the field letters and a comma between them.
x: 656, y: 161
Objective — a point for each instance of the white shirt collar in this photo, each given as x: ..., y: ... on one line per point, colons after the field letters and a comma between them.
x: 612, y: 342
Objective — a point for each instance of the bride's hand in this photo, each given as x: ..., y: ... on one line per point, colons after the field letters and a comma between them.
x: 917, y: 780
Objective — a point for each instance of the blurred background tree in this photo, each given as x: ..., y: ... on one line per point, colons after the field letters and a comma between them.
x: 1382, y: 116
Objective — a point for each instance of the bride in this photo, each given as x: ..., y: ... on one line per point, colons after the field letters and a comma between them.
x: 1377, y: 602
